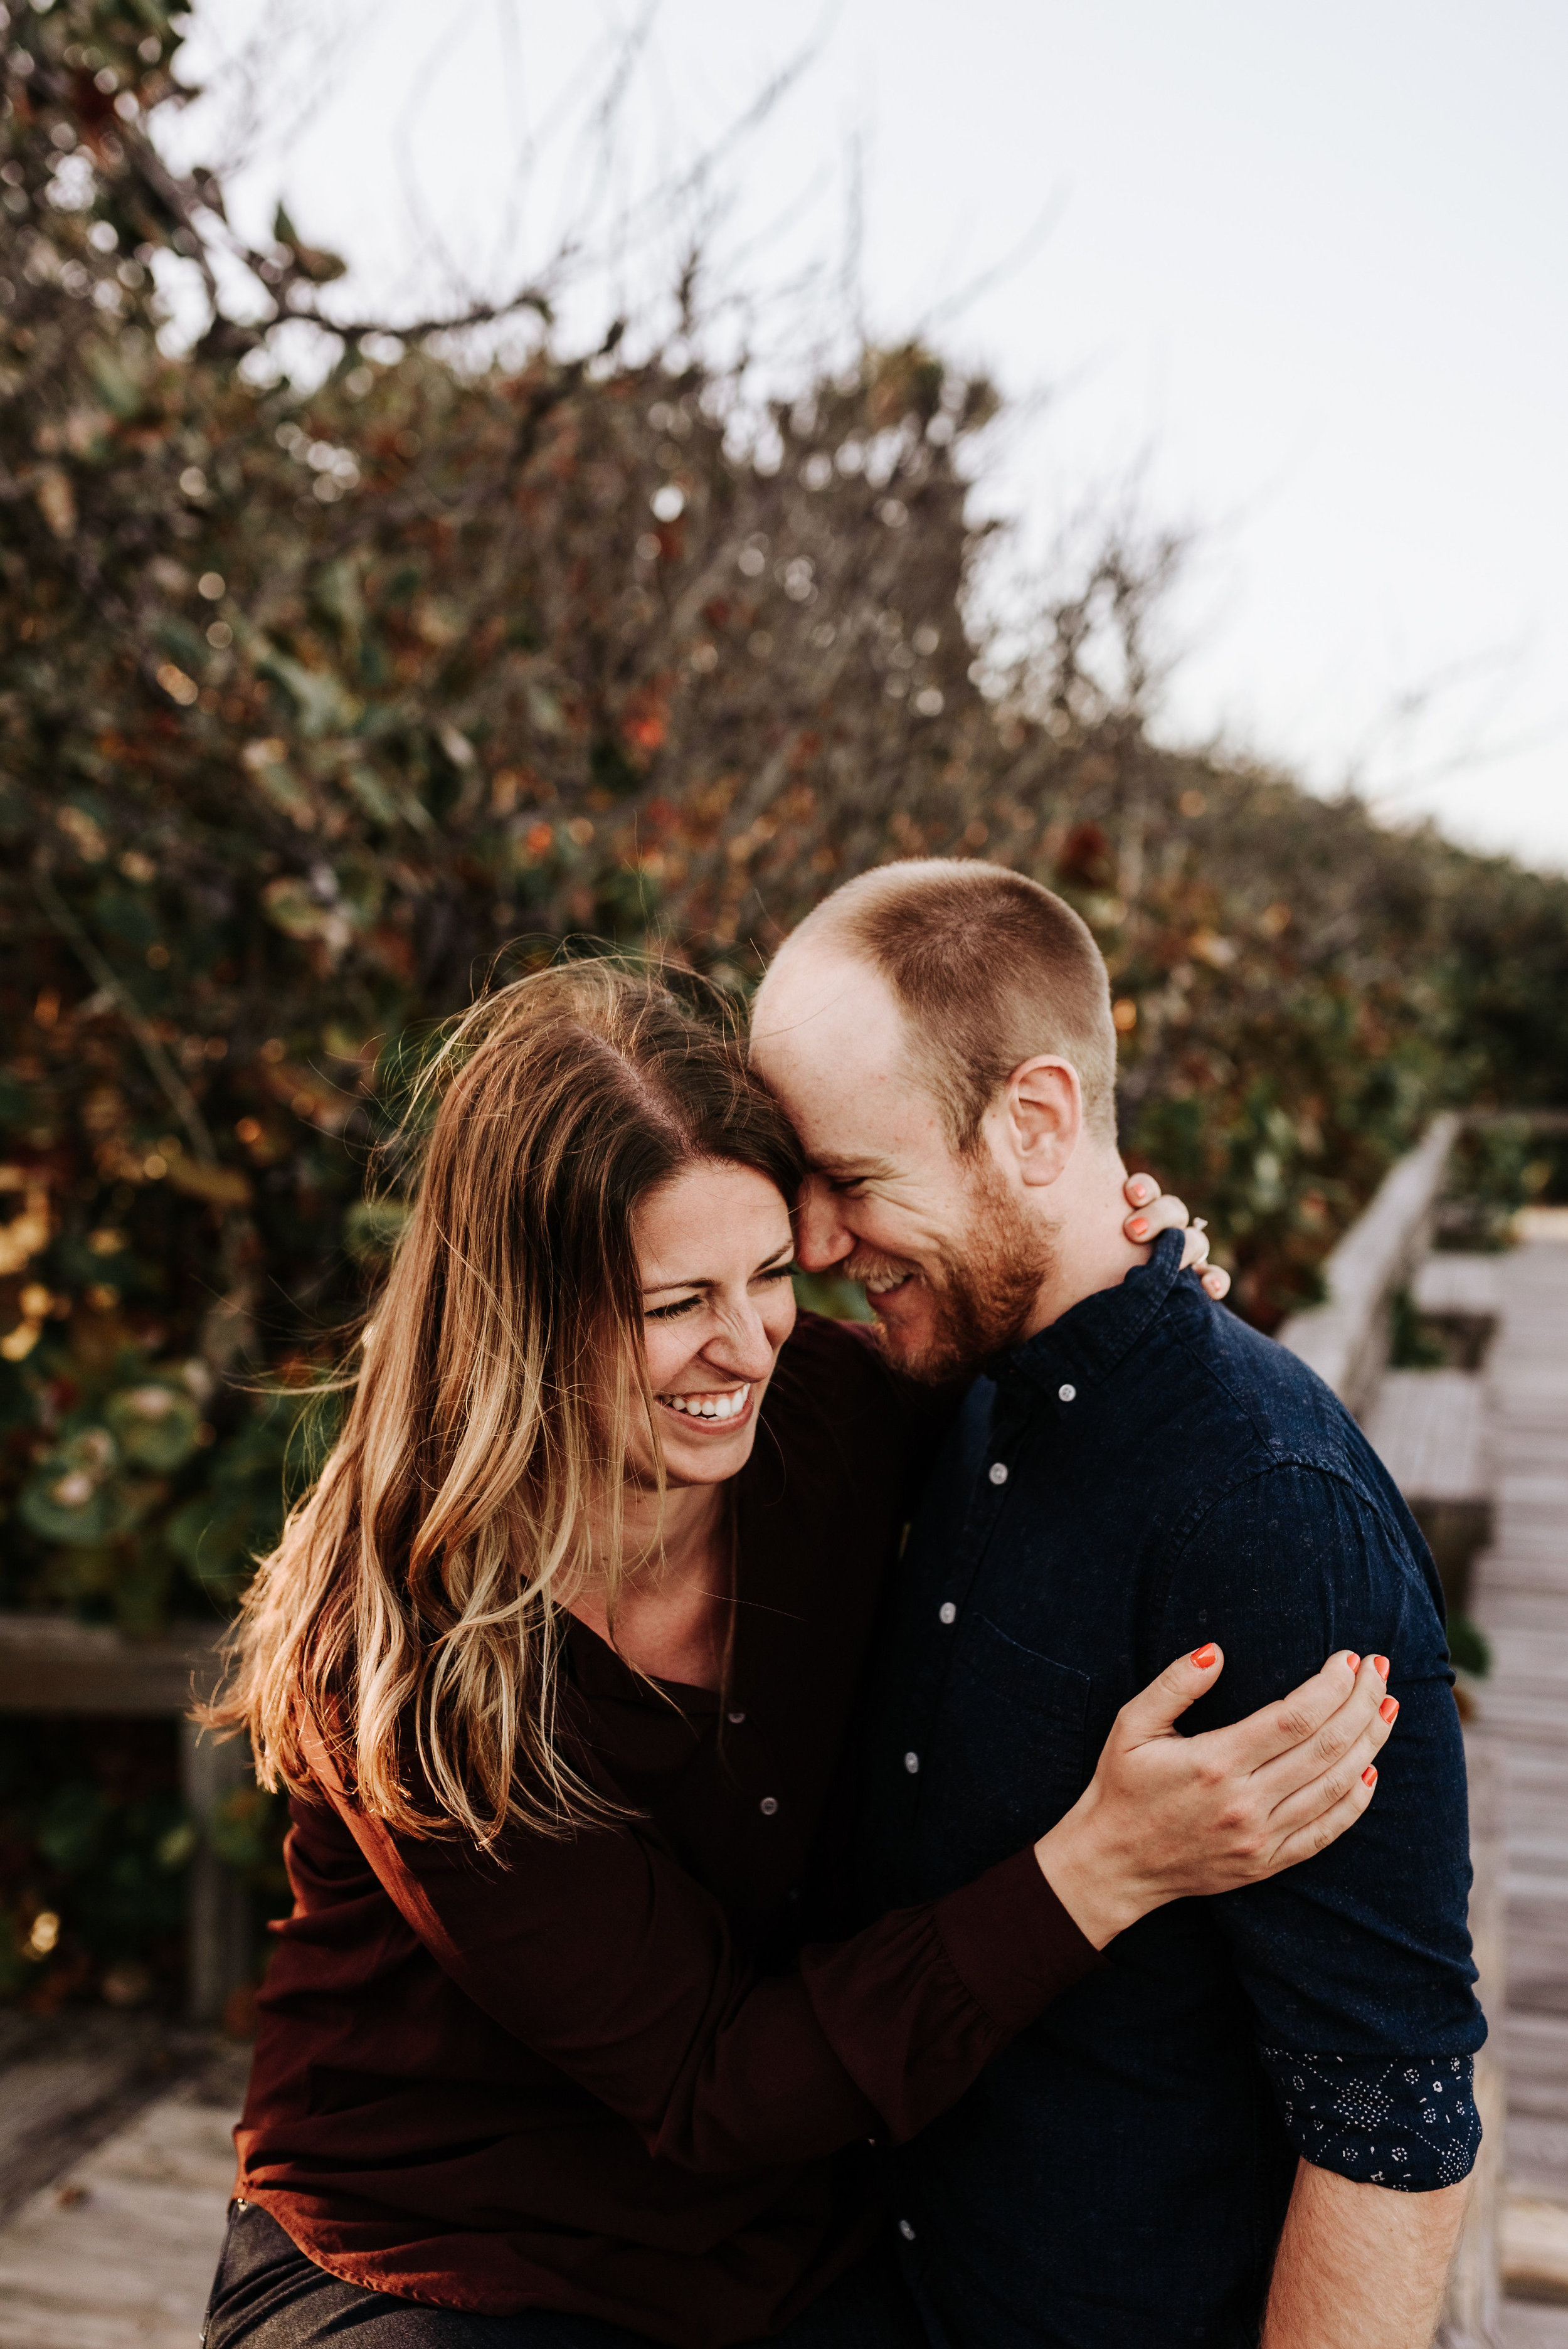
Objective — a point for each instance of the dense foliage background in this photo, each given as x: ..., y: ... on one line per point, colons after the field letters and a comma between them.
x: 321, y: 705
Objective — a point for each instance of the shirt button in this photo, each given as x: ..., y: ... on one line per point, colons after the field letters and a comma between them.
x: 998, y: 1472
x: 734, y: 1719
x: 769, y: 1804
x: 1067, y: 1394
x: 947, y: 1612
x: 906, y: 2230
x: 912, y: 1762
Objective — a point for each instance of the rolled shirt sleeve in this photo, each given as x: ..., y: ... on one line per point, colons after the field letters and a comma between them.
x: 1356, y: 1965
x: 1412, y: 2126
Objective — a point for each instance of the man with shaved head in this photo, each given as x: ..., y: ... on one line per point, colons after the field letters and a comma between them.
x: 1258, y: 2112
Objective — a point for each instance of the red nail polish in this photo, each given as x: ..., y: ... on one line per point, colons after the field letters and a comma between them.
x: 1369, y: 1776
x: 1389, y: 1707
x: 1138, y: 1228
x: 1203, y: 1657
x: 1382, y: 1665
x: 1353, y: 1664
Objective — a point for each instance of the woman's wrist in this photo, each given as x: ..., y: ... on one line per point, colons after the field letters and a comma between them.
x: 1086, y: 1879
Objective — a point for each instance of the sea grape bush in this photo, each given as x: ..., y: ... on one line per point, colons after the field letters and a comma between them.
x: 321, y: 704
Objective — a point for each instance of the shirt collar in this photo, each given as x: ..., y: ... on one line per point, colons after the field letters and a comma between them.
x: 1093, y: 1336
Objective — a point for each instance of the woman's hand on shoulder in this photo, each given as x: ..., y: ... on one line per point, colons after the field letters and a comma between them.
x: 1167, y: 1816
x: 1153, y: 1211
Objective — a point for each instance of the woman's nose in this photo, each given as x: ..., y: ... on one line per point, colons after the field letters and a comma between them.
x: 746, y: 1350
x: 821, y: 1238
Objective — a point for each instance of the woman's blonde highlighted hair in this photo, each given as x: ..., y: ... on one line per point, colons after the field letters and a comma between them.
x: 411, y: 1615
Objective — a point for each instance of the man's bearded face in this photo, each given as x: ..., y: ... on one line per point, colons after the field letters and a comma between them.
x: 952, y: 1252
x: 970, y: 1295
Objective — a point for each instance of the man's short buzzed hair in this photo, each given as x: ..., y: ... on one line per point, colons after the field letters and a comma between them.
x: 988, y: 968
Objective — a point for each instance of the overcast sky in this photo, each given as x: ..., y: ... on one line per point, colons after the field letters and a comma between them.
x: 1302, y: 271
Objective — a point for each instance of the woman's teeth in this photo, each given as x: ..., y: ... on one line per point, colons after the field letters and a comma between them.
x: 728, y: 1405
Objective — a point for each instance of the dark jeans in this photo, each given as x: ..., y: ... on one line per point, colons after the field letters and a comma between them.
x: 267, y: 2295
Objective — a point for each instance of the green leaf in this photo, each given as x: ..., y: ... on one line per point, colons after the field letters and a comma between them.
x: 366, y: 788
x: 371, y: 1229
x: 324, y: 702
x: 76, y: 1496
x: 120, y: 389
x: 244, y: 1830
x: 72, y: 1824
x: 176, y: 1848
x: 156, y: 1425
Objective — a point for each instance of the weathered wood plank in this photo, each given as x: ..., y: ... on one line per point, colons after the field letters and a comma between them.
x: 1528, y: 2327
x: 1538, y: 2154
x: 67, y: 2082
x: 119, y: 2253
x: 1536, y: 2250
x: 1520, y: 1598
x: 1456, y: 1286
x: 50, y: 1664
x: 1430, y: 1430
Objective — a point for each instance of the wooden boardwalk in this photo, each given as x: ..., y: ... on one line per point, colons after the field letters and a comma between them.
x: 118, y: 2252
x: 1521, y: 1601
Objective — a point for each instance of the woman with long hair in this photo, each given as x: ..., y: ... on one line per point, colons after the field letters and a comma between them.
x: 564, y: 2042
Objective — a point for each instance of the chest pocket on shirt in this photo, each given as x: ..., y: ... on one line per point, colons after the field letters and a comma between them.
x: 1018, y: 1760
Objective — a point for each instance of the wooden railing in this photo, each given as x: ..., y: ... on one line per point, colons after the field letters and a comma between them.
x: 49, y: 1664
x: 1347, y: 1338
x: 1347, y: 1341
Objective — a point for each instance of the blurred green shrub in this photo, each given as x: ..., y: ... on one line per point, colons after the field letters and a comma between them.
x: 1413, y: 1343
x: 1468, y: 1647
x: 322, y: 702
x: 94, y: 1847
x: 1497, y: 1168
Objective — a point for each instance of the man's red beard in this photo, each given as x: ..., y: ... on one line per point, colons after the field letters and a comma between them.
x: 981, y: 1294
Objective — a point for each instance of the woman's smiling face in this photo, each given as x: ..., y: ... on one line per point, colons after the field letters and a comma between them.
x: 713, y: 1251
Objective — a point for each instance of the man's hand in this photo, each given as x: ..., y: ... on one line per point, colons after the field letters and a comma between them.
x: 1167, y: 1816
x: 1359, y: 2267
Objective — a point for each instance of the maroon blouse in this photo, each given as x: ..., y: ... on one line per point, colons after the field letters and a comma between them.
x: 585, y: 2075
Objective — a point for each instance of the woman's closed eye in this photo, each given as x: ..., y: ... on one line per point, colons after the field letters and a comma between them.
x: 769, y: 1279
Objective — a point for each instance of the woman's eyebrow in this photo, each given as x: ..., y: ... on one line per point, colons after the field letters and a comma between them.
x: 706, y: 1279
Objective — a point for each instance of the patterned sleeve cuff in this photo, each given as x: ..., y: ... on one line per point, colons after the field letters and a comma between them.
x: 1406, y: 2121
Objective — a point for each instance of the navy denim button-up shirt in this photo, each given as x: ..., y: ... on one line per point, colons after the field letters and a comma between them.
x: 1143, y: 1476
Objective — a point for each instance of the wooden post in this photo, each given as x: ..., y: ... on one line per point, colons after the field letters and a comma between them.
x: 1474, y: 2312
x: 218, y: 1919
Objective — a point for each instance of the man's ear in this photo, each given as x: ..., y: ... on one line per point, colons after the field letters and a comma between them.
x: 1043, y: 1118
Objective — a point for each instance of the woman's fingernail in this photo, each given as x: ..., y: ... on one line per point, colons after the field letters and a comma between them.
x: 1369, y: 1776
x: 1203, y: 1657
x: 1353, y: 1664
x: 1137, y: 1227
x: 1389, y: 1707
x: 1381, y: 1665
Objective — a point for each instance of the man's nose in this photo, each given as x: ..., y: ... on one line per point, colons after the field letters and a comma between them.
x: 821, y: 1237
